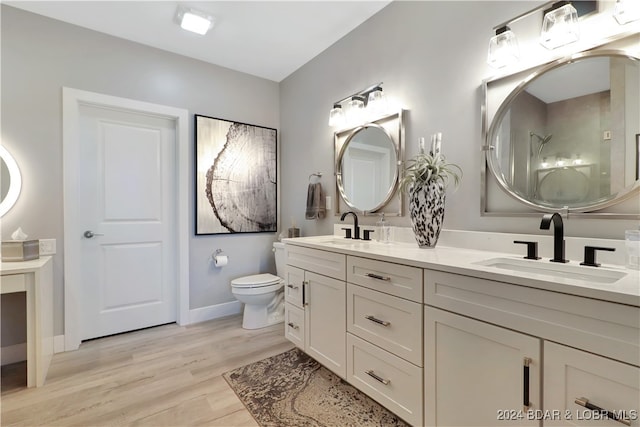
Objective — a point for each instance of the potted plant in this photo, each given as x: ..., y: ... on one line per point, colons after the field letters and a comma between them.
x: 426, y: 178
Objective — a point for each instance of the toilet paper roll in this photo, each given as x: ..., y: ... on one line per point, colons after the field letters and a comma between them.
x: 220, y: 260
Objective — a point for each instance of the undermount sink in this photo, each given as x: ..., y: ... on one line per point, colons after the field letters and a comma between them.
x: 555, y: 270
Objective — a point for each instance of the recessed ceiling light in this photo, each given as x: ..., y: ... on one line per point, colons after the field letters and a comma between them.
x: 194, y: 20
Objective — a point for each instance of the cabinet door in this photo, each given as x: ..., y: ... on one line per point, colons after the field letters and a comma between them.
x: 325, y: 318
x: 571, y: 375
x: 293, y: 285
x: 476, y: 373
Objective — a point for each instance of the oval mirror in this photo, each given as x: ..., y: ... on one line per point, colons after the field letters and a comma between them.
x: 367, y: 170
x: 567, y: 136
x: 10, y: 181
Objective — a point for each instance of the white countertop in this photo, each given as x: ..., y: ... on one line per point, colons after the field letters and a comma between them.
x: 463, y: 261
x: 17, y: 267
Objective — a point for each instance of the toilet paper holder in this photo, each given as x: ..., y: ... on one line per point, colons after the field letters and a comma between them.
x: 218, y: 252
x: 219, y: 259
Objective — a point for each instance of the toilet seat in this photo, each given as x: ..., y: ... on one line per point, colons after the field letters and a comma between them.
x: 256, y: 281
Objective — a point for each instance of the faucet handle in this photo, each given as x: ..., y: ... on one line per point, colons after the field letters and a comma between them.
x: 590, y: 255
x: 532, y: 249
x: 347, y: 231
x: 367, y: 234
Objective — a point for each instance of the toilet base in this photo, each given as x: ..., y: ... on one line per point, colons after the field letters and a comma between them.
x: 258, y: 316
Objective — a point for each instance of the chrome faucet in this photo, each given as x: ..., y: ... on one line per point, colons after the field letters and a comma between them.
x: 356, y: 229
x: 558, y: 235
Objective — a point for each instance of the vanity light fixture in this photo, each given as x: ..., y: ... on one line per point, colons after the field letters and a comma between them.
x: 560, y: 25
x: 370, y: 101
x: 377, y: 102
x: 503, y: 48
x: 194, y: 20
x: 626, y: 11
x: 336, y: 116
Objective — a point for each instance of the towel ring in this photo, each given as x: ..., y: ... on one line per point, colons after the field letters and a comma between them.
x: 317, y: 175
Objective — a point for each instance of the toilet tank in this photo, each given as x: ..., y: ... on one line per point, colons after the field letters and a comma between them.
x: 278, y: 250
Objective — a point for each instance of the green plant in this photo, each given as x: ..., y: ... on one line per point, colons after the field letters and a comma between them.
x: 426, y: 167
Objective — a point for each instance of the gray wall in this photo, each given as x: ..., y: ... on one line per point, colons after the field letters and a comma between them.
x: 431, y: 55
x: 40, y: 56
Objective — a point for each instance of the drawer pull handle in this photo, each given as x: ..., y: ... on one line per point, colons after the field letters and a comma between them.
x: 378, y: 321
x: 583, y: 401
x: 377, y: 378
x: 525, y: 391
x: 292, y: 287
x: 377, y: 276
x: 291, y: 325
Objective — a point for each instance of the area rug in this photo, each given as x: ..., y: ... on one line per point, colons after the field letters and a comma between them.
x: 292, y: 389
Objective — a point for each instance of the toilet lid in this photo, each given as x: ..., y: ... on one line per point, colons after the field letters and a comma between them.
x: 257, y: 280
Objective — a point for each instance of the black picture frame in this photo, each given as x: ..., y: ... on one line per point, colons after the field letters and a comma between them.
x: 236, y: 177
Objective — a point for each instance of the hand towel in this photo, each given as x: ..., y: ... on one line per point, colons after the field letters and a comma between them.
x: 315, y: 202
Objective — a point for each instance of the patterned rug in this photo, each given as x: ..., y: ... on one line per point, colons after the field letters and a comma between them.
x: 292, y: 389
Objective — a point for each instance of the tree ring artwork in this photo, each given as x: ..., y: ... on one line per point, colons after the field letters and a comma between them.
x: 236, y: 177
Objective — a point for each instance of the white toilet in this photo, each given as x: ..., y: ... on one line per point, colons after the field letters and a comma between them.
x: 262, y: 294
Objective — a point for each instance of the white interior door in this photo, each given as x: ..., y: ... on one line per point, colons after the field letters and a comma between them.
x: 127, y: 220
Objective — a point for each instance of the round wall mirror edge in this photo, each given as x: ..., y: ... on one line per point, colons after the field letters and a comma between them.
x: 15, y: 181
x: 492, y: 126
x: 389, y: 131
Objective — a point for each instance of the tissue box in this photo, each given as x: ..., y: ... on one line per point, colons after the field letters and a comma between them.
x: 20, y: 250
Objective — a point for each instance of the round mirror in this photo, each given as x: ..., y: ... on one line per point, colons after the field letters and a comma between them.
x: 10, y: 181
x: 367, y: 168
x: 566, y: 137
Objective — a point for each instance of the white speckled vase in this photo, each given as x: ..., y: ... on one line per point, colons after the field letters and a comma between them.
x: 426, y: 208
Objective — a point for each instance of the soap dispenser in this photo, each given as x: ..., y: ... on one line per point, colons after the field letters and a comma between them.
x: 384, y: 230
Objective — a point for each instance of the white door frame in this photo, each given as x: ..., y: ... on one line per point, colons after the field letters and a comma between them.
x: 72, y: 100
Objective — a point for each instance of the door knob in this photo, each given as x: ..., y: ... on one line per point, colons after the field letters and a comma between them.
x: 89, y: 234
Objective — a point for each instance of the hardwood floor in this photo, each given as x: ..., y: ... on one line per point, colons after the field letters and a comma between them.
x: 163, y: 376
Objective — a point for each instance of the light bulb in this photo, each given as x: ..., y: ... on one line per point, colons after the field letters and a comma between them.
x: 503, y: 48
x: 560, y: 27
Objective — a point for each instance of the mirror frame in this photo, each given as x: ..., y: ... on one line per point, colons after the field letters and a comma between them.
x: 487, y: 148
x: 393, y: 126
x: 16, y: 181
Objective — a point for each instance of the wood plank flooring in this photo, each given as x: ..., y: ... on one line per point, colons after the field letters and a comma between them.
x: 163, y: 376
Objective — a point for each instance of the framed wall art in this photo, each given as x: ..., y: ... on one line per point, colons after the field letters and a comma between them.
x: 236, y: 177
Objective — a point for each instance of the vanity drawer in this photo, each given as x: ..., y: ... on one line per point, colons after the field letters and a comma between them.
x: 294, y: 325
x: 392, y: 323
x: 395, y: 383
x: 293, y: 285
x: 322, y: 262
x: 13, y: 283
x: 600, y: 327
x: 400, y: 280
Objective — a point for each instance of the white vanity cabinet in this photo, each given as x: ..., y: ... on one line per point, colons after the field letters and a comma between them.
x: 481, y: 334
x: 384, y: 334
x: 479, y: 374
x: 315, y: 313
x: 572, y: 376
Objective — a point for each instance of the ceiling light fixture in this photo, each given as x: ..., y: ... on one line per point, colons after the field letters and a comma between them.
x: 626, y: 11
x: 560, y: 26
x: 361, y: 105
x: 194, y: 20
x: 503, y: 48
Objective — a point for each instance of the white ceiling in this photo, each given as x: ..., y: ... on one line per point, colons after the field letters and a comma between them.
x: 269, y: 39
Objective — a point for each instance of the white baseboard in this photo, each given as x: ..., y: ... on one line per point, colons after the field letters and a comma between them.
x: 211, y: 312
x: 13, y: 354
